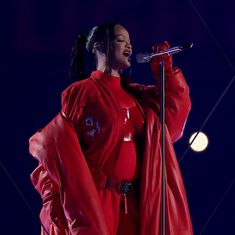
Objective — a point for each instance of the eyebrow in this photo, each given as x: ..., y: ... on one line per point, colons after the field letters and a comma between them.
x: 116, y: 35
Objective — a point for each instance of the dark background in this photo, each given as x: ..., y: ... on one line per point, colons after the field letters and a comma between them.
x: 36, y: 40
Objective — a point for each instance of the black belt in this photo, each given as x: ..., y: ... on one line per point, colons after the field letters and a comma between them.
x: 121, y: 186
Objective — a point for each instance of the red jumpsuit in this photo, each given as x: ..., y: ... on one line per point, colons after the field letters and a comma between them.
x: 103, y: 133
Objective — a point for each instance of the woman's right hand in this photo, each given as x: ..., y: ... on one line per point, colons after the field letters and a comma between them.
x: 155, y: 61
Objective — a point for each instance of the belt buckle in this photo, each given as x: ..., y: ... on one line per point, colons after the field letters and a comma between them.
x: 126, y: 187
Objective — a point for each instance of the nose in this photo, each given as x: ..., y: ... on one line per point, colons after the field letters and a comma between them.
x: 129, y: 46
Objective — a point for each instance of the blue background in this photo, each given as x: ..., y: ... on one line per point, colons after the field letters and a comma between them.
x: 36, y: 41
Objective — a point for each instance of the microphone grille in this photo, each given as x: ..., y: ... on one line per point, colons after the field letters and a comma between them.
x: 140, y: 58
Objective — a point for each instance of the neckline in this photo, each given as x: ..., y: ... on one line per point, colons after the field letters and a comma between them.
x: 109, y: 79
x: 97, y: 74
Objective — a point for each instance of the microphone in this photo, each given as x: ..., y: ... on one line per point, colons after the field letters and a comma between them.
x: 146, y: 57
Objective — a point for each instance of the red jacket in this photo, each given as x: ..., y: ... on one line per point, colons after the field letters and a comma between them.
x: 63, y: 177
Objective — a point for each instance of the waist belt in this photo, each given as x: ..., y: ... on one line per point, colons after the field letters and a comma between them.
x: 122, y: 187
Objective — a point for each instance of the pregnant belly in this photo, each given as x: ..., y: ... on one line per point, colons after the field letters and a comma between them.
x: 126, y: 165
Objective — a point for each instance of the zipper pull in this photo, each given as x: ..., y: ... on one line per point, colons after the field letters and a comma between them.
x: 125, y: 204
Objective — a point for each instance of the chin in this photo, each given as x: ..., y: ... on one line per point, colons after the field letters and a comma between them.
x: 126, y: 65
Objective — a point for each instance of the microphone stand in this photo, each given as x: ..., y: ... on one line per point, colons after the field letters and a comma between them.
x: 162, y: 119
x: 143, y: 58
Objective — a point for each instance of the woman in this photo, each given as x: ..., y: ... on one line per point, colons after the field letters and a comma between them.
x: 99, y: 159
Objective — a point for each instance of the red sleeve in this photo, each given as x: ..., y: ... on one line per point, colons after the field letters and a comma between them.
x: 177, y: 102
x: 46, y: 187
x: 57, y: 148
x: 52, y: 211
x: 73, y: 101
x: 70, y: 103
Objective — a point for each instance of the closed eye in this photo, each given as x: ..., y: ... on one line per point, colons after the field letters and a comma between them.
x: 120, y: 40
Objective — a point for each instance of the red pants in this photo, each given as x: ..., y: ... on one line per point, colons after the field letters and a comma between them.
x: 118, y: 222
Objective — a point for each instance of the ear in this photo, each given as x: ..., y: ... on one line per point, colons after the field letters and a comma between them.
x: 97, y: 46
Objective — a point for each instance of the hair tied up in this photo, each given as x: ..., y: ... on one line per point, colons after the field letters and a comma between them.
x: 77, y: 68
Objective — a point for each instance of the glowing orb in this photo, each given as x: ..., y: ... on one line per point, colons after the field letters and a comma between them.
x: 199, y: 143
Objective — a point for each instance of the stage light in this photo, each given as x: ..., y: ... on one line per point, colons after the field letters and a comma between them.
x: 199, y: 143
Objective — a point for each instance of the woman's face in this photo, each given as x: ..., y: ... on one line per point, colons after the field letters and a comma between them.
x: 122, y: 49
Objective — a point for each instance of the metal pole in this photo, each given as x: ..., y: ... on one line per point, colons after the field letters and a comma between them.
x: 162, y: 119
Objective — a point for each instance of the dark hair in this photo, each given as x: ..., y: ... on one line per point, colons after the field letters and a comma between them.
x: 77, y: 64
x: 101, y: 34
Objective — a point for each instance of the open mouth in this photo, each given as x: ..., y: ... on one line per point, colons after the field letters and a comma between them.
x: 127, y: 54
